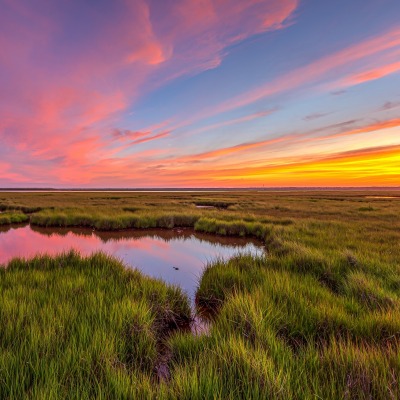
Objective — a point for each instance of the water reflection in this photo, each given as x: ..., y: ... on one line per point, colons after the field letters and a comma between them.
x: 177, y: 256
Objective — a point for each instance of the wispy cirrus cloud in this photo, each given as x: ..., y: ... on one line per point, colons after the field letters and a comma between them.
x: 137, y: 137
x: 311, y: 117
x: 227, y: 122
x: 318, y: 70
x: 389, y: 105
x: 369, y: 75
x: 323, y: 133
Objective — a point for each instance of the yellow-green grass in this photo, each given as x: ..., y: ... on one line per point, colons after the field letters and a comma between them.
x: 280, y: 332
x: 7, y: 218
x: 83, y: 328
x: 317, y: 317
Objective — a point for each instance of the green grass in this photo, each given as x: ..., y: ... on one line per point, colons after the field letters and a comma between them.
x: 231, y: 228
x: 117, y: 220
x: 83, y: 328
x: 13, y: 218
x: 278, y: 333
x: 24, y: 209
x: 317, y: 317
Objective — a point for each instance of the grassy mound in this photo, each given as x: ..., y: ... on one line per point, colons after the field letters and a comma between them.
x: 13, y: 218
x: 281, y: 332
x: 112, y: 220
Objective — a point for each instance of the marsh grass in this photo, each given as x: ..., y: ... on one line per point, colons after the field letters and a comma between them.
x: 310, y: 341
x: 24, y: 209
x: 231, y: 228
x: 117, y: 220
x: 317, y: 317
x: 74, y: 327
x: 214, y: 203
x: 13, y: 218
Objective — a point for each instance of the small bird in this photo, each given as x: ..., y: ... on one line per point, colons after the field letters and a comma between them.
x: 175, y: 268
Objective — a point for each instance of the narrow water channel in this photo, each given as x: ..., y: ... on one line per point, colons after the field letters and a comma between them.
x: 177, y: 256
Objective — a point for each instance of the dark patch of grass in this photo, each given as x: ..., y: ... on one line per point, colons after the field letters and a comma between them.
x: 281, y: 208
x: 214, y: 203
x: 282, y: 222
x: 369, y: 208
x: 24, y: 209
x: 131, y: 209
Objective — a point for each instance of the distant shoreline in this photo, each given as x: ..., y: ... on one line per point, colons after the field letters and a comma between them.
x: 167, y: 190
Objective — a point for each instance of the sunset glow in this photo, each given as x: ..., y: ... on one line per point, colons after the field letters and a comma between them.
x: 199, y: 93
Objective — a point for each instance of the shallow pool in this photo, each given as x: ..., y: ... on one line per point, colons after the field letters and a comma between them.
x: 177, y: 256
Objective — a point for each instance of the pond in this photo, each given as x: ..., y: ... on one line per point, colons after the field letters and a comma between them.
x: 177, y: 256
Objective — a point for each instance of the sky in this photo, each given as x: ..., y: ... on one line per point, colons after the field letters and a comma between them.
x: 199, y: 93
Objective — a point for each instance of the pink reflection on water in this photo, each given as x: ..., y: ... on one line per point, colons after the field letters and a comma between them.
x: 176, y: 256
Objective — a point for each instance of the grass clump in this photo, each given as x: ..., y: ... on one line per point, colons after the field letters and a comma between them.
x: 231, y: 228
x: 214, y: 203
x: 74, y: 327
x: 25, y: 209
x: 13, y: 218
x: 369, y: 292
x: 313, y: 343
x: 117, y: 220
x: 368, y: 208
x: 222, y: 278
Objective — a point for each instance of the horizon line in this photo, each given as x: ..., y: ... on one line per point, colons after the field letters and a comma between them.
x: 269, y: 188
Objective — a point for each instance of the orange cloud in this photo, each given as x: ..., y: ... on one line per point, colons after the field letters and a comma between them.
x: 92, y: 161
x: 307, y: 137
x: 378, y: 166
x: 371, y: 166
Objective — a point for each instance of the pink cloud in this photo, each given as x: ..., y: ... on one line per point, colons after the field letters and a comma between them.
x: 370, y: 74
x: 59, y: 105
x: 196, y: 33
x: 7, y: 175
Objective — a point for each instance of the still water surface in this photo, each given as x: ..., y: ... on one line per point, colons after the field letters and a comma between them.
x: 177, y: 256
